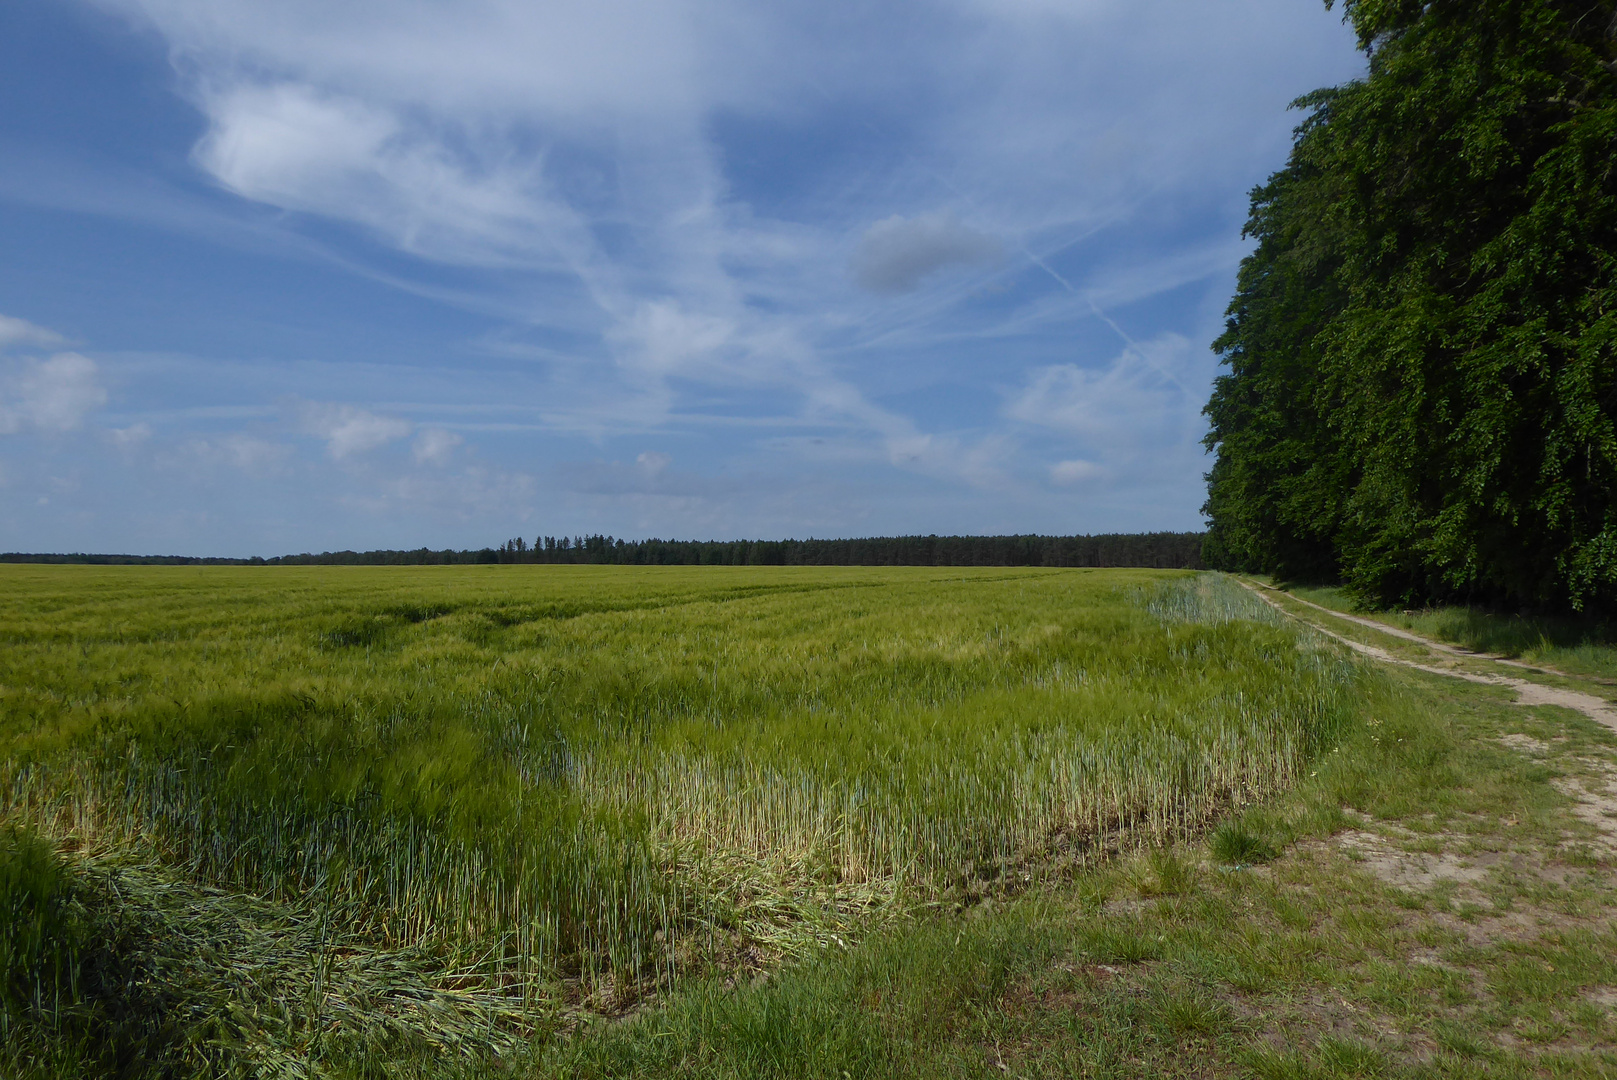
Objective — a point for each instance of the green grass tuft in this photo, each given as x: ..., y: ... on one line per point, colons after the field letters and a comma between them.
x: 1236, y: 843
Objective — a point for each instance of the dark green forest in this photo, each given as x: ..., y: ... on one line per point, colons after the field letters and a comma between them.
x: 1421, y: 354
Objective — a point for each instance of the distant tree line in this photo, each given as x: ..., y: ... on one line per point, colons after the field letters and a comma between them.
x: 83, y: 558
x: 1162, y: 550
x: 1421, y: 395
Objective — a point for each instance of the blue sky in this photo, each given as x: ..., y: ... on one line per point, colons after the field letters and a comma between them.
x: 302, y: 276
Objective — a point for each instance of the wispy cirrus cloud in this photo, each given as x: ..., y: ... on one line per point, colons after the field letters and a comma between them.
x: 802, y: 243
x: 435, y: 446
x: 1076, y: 471
x: 14, y: 331
x: 54, y: 394
x: 1138, y: 398
x: 348, y: 431
x: 240, y: 451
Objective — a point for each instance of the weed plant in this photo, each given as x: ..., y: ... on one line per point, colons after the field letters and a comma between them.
x: 571, y: 784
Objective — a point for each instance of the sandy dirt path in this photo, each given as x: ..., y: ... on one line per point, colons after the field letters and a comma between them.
x: 1595, y: 708
x: 1439, y: 646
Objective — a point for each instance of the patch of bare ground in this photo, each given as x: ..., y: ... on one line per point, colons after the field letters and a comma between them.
x: 1468, y: 993
x: 1489, y: 911
x: 1310, y: 1019
x: 1501, y: 912
x: 1415, y: 870
x: 1595, y: 804
x: 1526, y: 743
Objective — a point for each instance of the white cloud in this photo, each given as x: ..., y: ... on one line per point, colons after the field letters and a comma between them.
x: 131, y: 437
x: 54, y: 394
x: 653, y: 462
x: 1140, y: 398
x: 238, y: 450
x: 349, y: 431
x: 1076, y: 471
x: 510, y: 134
x: 50, y: 395
x: 305, y: 148
x: 434, y: 446
x: 562, y: 58
x: 896, y: 254
x: 14, y: 331
x: 665, y: 338
x: 250, y: 453
x: 281, y: 143
x: 980, y: 463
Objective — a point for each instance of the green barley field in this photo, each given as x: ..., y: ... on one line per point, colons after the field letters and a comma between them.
x: 395, y: 821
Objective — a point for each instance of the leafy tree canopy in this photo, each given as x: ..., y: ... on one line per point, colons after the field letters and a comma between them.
x: 1422, y: 348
